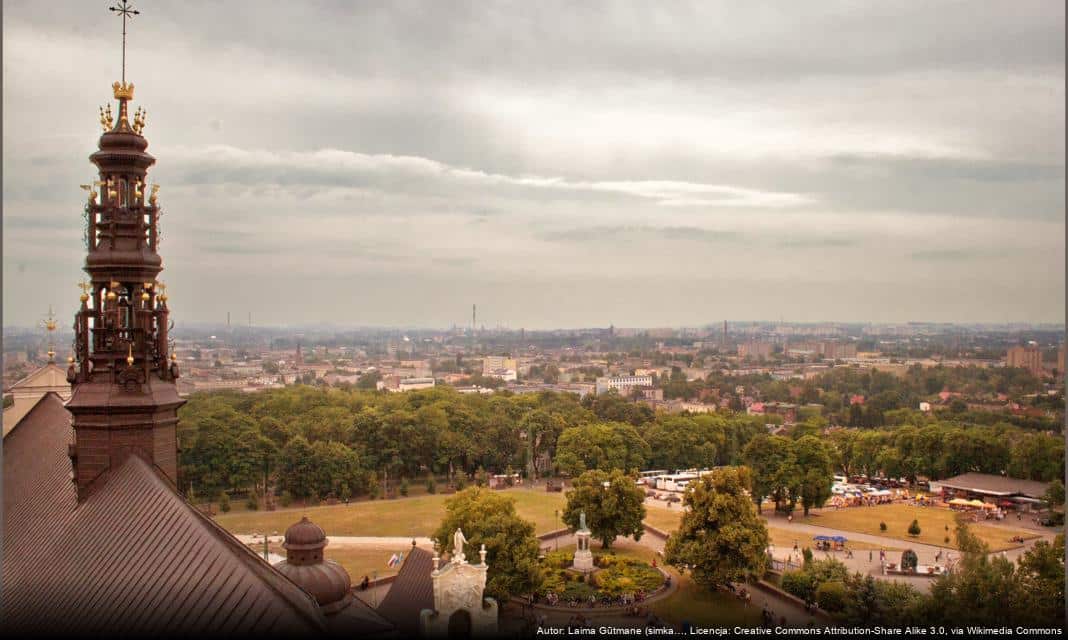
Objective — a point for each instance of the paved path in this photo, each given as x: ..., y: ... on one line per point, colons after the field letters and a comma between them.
x: 379, y: 541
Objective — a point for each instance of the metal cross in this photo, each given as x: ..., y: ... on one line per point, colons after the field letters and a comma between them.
x: 126, y: 11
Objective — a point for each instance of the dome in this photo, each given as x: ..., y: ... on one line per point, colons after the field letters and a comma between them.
x: 304, y: 536
x: 325, y: 580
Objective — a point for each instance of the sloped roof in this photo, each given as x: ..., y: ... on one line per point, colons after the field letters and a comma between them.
x: 28, y: 392
x: 46, y: 377
x: 995, y: 485
x: 411, y: 592
x: 134, y: 557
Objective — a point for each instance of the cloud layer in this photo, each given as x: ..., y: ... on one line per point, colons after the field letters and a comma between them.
x: 558, y: 164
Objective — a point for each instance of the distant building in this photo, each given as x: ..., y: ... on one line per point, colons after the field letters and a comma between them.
x: 622, y: 384
x: 1028, y: 357
x: 755, y: 350
x: 395, y: 384
x: 500, y: 367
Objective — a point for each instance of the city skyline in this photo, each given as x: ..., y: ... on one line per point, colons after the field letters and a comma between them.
x: 389, y: 168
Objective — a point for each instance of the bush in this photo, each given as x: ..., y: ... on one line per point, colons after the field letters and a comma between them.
x: 914, y: 528
x: 909, y: 560
x: 831, y: 596
x: 344, y: 492
x: 800, y: 584
x: 461, y: 482
x: 224, y: 502
x: 946, y: 540
x: 253, y: 502
x: 807, y: 554
x: 286, y: 499
x: 313, y: 499
x: 404, y: 487
x: 882, y: 526
x: 431, y: 487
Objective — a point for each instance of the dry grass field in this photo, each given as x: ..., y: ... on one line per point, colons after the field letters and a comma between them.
x: 404, y: 517
x: 936, y: 524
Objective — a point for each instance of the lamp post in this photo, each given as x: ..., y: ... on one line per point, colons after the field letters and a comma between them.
x: 556, y: 540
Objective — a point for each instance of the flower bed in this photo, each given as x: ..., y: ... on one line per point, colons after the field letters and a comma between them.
x: 616, y: 579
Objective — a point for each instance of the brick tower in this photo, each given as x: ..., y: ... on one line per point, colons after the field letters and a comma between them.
x: 124, y: 400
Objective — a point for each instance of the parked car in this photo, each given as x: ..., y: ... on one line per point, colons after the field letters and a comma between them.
x: 672, y: 497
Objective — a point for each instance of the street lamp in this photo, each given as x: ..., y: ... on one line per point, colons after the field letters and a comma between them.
x: 556, y: 512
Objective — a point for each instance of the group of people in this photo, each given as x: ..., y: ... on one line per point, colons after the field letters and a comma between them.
x: 630, y: 600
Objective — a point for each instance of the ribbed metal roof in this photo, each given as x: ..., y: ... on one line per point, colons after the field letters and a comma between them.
x: 134, y: 557
x: 411, y: 592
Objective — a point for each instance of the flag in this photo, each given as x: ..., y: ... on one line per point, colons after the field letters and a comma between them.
x: 393, y: 561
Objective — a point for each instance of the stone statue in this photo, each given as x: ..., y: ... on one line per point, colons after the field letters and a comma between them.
x: 458, y: 541
x: 582, y: 521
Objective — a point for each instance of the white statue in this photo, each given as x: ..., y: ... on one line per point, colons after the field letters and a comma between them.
x: 458, y: 541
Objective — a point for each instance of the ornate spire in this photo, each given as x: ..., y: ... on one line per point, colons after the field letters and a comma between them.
x: 122, y: 370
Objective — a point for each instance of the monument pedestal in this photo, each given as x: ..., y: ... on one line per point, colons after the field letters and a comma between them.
x: 583, y: 556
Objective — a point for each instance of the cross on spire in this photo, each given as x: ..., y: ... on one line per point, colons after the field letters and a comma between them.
x: 124, y: 9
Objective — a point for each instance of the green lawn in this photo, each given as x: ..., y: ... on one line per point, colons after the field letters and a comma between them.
x: 933, y: 523
x: 407, y: 517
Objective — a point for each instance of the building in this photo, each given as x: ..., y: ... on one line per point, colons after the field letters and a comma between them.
x: 992, y: 488
x: 1028, y: 357
x: 500, y: 367
x: 754, y: 350
x: 27, y: 392
x: 622, y: 384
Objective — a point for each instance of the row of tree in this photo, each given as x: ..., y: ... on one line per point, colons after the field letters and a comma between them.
x: 790, y: 471
x: 320, y: 441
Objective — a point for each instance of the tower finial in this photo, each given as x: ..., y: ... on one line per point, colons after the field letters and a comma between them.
x: 50, y: 326
x: 127, y: 12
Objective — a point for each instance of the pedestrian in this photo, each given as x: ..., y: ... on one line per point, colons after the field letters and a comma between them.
x: 869, y: 555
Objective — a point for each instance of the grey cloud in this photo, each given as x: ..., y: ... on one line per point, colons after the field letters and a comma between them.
x: 391, y: 141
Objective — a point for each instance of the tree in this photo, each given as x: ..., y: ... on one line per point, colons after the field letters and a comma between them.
x: 1055, y: 494
x: 991, y: 590
x: 914, y: 528
x: 774, y: 468
x: 296, y: 471
x: 815, y: 472
x: 617, y: 510
x: 489, y: 518
x: 721, y: 538
x: 603, y: 446
x: 369, y: 380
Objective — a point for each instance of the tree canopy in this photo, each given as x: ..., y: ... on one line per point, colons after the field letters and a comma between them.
x: 489, y: 518
x: 617, y: 510
x: 721, y: 538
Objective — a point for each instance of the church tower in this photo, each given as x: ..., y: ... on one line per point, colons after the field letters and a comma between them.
x: 124, y: 399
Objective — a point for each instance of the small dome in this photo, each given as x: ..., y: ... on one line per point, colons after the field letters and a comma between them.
x: 325, y: 580
x: 304, y: 535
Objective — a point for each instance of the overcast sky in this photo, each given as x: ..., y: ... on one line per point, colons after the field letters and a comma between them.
x: 559, y: 164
